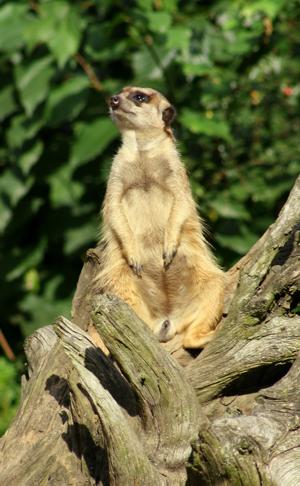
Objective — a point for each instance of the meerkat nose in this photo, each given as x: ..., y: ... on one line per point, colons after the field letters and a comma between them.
x: 114, y: 102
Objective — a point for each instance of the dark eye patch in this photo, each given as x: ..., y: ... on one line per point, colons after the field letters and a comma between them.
x: 138, y: 97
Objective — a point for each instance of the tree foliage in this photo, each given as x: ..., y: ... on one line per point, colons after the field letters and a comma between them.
x: 231, y: 70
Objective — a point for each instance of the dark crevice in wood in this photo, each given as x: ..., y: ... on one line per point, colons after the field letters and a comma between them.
x: 194, y: 353
x: 295, y: 303
x: 254, y: 380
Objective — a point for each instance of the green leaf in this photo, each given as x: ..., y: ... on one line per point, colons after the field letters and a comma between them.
x: 145, y: 4
x: 159, y: 21
x: 29, y: 158
x: 201, y: 68
x: 12, y: 22
x: 33, y: 82
x: 200, y: 124
x: 101, y: 45
x: 170, y: 5
x: 59, y: 25
x: 63, y: 190
x: 65, y: 42
x: 81, y: 237
x: 22, y: 129
x: 67, y: 100
x: 268, y: 7
x: 13, y: 187
x: 230, y: 209
x: 44, y: 308
x: 6, y: 213
x: 178, y: 37
x: 235, y: 243
x: 24, y: 260
x: 91, y: 139
x: 7, y: 102
x: 147, y: 68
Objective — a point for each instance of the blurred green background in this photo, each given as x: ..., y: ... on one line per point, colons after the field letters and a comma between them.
x: 231, y: 68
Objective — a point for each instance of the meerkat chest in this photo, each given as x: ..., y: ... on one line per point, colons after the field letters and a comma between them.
x: 147, y: 197
x: 146, y: 176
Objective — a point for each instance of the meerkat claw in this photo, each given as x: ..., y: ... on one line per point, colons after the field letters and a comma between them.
x: 168, y: 258
x: 137, y: 268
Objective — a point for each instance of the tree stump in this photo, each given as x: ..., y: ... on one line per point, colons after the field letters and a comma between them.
x: 104, y: 403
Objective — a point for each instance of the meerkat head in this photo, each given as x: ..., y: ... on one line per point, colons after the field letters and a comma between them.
x: 141, y: 109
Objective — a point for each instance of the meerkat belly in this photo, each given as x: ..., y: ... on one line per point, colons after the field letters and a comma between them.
x: 147, y: 212
x: 164, y: 291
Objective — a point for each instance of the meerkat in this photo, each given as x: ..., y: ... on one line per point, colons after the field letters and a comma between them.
x: 155, y: 256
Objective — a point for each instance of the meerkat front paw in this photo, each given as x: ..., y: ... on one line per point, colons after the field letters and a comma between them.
x: 132, y: 255
x: 135, y: 266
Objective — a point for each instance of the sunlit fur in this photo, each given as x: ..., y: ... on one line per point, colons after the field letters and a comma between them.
x: 149, y: 212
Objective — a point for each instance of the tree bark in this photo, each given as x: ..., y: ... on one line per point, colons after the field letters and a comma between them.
x: 105, y: 403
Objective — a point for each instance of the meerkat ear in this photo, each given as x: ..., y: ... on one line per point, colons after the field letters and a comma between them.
x: 168, y: 115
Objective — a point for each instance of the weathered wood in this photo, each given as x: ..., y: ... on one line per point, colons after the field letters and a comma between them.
x: 125, y: 456
x: 168, y: 425
x: 86, y: 289
x: 254, y: 439
x: 154, y: 376
x: 276, y: 342
x: 260, y: 328
x: 35, y: 450
x: 257, y: 445
x: 115, y: 420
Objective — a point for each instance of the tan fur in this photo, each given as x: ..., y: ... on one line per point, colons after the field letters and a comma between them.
x: 155, y: 254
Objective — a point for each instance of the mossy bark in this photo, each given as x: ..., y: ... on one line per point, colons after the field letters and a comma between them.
x: 105, y: 403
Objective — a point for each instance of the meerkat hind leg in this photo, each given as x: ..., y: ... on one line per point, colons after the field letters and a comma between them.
x: 201, y: 328
x: 122, y: 284
x: 197, y: 322
x: 194, y: 338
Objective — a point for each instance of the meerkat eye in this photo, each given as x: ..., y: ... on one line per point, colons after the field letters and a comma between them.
x: 139, y: 97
